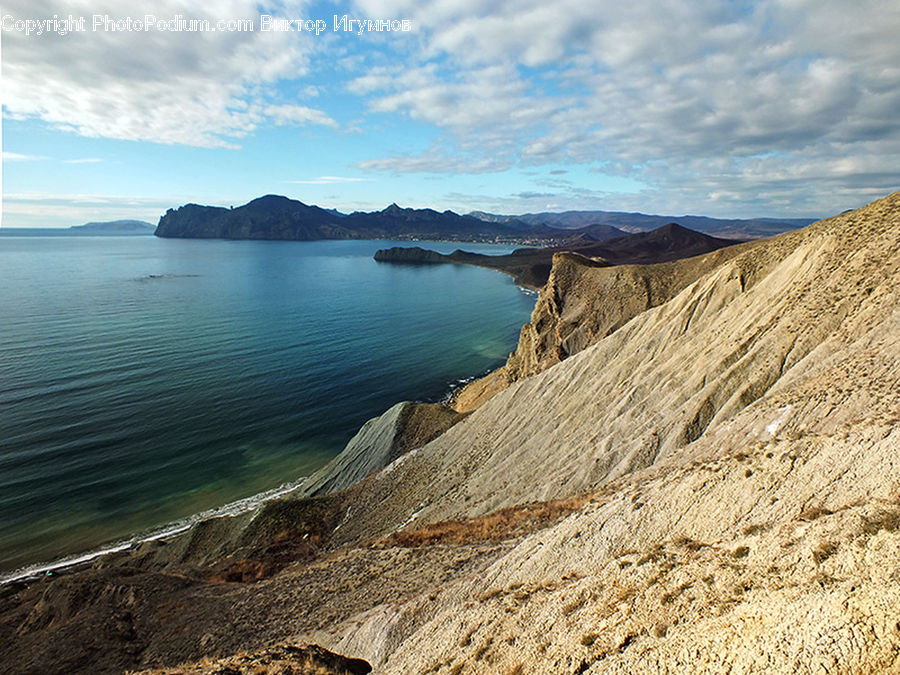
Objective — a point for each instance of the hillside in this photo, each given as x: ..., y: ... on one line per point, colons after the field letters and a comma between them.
x: 116, y: 226
x: 708, y: 480
x: 531, y: 266
x: 747, y: 228
x: 280, y: 218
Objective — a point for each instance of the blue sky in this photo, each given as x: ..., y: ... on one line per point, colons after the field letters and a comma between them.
x: 733, y: 109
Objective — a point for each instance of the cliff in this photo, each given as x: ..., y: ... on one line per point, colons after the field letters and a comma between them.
x: 269, y: 217
x: 582, y: 302
x: 406, y: 426
x: 710, y: 483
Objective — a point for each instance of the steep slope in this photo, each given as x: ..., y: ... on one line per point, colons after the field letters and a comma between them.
x: 745, y: 436
x: 659, y: 382
x: 268, y: 217
x: 583, y: 302
x: 404, y: 427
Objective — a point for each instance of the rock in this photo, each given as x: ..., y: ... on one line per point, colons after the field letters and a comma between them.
x: 379, y: 442
x: 285, y: 659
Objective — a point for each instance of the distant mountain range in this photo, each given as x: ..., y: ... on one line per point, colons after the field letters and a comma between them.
x: 531, y: 266
x: 753, y: 228
x: 277, y: 217
x: 116, y: 226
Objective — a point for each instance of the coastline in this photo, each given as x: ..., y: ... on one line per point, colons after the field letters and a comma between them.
x: 484, y: 537
x: 242, y: 506
x: 163, y: 532
x: 254, y: 502
x: 32, y: 557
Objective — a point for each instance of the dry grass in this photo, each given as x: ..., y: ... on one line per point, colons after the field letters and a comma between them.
x: 496, y: 526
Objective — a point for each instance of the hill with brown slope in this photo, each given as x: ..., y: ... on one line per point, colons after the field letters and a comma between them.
x: 531, y: 267
x: 583, y: 302
x: 713, y: 484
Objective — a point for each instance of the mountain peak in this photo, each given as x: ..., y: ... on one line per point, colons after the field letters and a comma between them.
x: 273, y: 200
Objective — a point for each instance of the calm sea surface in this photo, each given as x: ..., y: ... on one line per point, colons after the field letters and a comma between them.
x: 143, y: 380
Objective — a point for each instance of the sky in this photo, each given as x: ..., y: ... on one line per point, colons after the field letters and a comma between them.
x: 778, y: 108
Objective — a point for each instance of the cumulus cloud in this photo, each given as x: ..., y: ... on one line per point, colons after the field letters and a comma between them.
x: 729, y: 104
x: 786, y: 105
x: 192, y: 88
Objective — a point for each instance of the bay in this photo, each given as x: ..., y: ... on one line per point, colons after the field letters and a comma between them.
x: 143, y: 380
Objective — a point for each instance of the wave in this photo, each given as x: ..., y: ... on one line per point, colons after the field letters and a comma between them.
x: 234, y: 508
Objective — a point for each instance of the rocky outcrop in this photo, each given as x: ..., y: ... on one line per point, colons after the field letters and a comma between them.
x: 531, y: 267
x: 285, y: 659
x: 582, y: 302
x: 410, y: 255
x: 379, y: 442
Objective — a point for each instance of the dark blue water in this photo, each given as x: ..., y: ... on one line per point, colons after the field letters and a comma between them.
x: 145, y: 379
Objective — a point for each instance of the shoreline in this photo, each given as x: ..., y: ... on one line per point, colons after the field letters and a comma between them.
x: 171, y: 529
x: 129, y: 540
x: 237, y: 507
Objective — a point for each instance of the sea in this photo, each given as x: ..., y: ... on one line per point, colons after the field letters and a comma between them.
x: 147, y: 382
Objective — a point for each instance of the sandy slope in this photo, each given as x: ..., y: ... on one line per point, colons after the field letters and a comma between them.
x: 751, y: 427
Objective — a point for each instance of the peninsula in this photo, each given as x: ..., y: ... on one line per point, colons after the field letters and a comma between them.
x: 531, y: 266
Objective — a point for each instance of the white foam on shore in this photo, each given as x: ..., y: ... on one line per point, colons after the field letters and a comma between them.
x: 234, y: 508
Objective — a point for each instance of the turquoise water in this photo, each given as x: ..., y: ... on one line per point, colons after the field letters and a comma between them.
x: 143, y: 380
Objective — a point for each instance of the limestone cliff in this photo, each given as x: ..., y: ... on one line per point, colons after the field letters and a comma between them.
x: 379, y: 442
x: 583, y: 301
x: 739, y: 444
x: 708, y: 484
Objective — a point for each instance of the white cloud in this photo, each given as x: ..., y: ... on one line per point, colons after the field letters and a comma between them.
x: 784, y: 103
x: 437, y: 162
x: 62, y: 210
x: 19, y: 157
x: 730, y: 106
x: 298, y: 114
x: 194, y: 88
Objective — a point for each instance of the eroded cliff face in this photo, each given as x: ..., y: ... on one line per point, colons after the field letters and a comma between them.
x: 404, y: 427
x: 713, y: 484
x: 740, y: 446
x: 583, y: 301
